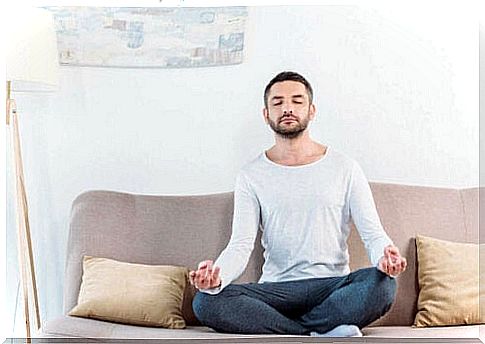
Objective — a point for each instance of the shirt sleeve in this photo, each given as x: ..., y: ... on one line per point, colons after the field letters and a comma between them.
x: 245, y: 224
x: 364, y: 214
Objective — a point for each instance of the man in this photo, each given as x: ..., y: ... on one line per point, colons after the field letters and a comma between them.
x: 303, y: 194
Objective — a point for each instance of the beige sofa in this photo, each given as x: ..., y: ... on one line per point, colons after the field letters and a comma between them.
x: 183, y: 230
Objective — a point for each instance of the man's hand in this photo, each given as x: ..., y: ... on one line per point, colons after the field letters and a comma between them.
x: 206, y: 275
x: 392, y: 263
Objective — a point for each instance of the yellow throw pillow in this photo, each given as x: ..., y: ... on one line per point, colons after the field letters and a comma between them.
x: 449, y: 289
x: 148, y: 295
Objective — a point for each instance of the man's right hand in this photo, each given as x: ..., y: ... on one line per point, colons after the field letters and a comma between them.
x: 206, y: 276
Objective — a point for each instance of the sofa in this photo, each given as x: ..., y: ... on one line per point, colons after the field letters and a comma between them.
x: 183, y: 230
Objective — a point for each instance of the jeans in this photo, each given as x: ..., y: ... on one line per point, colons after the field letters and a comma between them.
x: 298, y: 307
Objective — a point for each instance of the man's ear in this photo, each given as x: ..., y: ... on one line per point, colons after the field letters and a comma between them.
x: 265, y: 115
x: 312, y: 111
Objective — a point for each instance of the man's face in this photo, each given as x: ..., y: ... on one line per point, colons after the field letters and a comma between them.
x: 289, y: 110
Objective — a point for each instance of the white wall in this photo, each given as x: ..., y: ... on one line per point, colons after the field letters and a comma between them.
x: 482, y: 102
x: 398, y: 96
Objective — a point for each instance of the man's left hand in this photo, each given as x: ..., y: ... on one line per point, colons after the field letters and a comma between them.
x: 392, y: 263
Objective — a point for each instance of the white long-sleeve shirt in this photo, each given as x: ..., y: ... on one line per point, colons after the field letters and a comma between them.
x: 305, y: 213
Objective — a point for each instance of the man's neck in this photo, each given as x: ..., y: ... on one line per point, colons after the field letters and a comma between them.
x: 297, y: 151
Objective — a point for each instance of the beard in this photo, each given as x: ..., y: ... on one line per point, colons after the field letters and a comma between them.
x: 292, y: 130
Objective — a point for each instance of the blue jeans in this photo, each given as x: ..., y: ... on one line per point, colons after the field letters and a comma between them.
x: 298, y: 307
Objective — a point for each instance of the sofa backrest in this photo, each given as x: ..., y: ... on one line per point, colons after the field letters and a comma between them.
x: 406, y: 211
x: 183, y: 230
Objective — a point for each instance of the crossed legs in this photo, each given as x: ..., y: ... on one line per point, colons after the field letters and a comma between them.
x: 298, y: 307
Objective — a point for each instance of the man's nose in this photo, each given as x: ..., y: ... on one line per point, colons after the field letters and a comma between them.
x: 287, y: 108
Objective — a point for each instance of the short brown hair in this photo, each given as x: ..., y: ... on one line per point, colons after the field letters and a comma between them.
x: 288, y: 76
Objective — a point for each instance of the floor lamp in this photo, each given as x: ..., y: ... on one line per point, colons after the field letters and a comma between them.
x: 32, y: 66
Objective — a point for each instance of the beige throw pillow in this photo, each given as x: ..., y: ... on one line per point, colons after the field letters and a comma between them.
x: 449, y: 289
x: 149, y: 295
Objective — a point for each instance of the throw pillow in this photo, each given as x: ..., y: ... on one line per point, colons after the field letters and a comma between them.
x: 137, y: 294
x: 448, y: 277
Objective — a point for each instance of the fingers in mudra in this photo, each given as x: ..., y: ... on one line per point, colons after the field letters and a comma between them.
x: 192, y: 277
x: 206, y: 275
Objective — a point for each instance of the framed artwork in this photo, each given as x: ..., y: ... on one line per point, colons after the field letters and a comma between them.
x: 150, y: 37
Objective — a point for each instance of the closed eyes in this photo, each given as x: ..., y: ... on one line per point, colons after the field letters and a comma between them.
x: 294, y: 102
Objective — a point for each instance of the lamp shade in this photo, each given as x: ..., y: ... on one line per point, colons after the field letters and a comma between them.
x: 32, y: 61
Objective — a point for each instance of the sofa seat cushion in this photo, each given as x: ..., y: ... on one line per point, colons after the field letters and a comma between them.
x: 68, y: 326
x: 90, y: 328
x: 468, y: 331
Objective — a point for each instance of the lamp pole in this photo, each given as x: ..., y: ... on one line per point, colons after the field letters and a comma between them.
x: 25, y: 252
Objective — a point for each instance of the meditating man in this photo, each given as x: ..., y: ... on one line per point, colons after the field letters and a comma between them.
x: 303, y: 194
